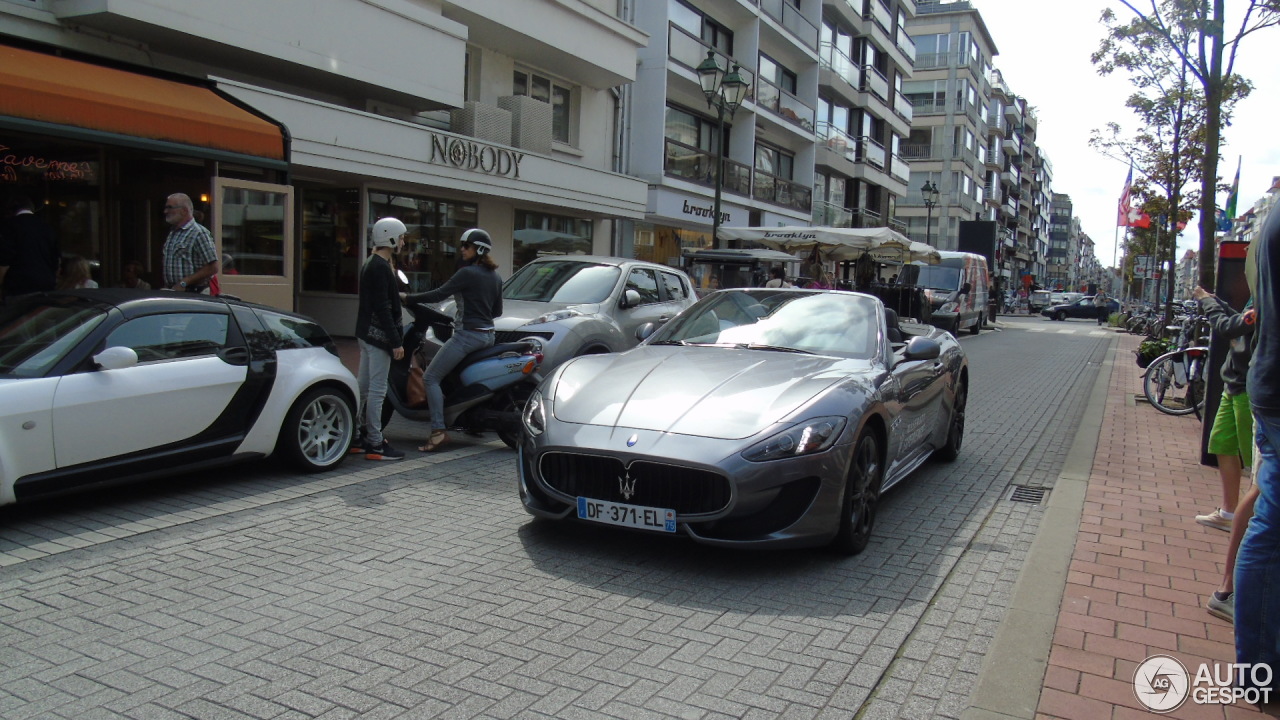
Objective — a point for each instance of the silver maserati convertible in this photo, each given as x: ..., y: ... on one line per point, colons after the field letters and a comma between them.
x: 755, y: 418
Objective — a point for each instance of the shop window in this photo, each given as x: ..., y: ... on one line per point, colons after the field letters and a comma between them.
x: 430, y: 254
x: 252, y: 230
x: 539, y: 235
x: 331, y: 248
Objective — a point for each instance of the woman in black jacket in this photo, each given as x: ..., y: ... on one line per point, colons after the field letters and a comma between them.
x: 478, y: 290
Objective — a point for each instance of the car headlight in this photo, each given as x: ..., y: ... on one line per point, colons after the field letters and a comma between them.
x: 556, y: 316
x: 948, y: 307
x: 535, y: 414
x: 806, y: 438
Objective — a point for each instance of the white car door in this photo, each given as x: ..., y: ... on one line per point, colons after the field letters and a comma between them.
x: 26, y: 430
x: 178, y: 388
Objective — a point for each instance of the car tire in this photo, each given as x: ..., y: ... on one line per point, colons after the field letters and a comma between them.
x: 318, y: 430
x: 861, y: 495
x: 955, y: 429
x: 977, y: 327
x: 513, y: 403
x: 1060, y: 316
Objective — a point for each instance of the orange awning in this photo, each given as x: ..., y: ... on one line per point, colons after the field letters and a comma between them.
x: 50, y: 89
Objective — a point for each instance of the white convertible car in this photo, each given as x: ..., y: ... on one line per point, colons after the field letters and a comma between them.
x: 100, y: 386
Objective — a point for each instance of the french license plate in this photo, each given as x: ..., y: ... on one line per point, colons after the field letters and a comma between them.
x: 633, y: 516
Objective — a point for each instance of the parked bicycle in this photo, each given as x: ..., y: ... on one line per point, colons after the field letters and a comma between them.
x: 1175, y: 382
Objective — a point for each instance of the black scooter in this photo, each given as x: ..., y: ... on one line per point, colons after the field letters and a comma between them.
x: 486, y: 391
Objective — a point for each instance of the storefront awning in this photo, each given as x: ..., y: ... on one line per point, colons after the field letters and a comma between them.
x: 49, y: 90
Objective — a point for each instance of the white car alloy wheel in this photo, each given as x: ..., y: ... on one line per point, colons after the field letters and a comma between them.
x: 318, y: 430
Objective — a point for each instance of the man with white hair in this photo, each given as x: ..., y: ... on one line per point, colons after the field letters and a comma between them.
x: 190, y: 258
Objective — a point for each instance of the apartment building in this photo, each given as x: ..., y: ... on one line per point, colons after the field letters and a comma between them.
x: 864, y: 119
x: 674, y: 137
x: 293, y: 141
x: 1062, y: 259
x: 947, y: 145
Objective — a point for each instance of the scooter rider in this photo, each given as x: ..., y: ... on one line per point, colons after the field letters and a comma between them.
x: 478, y: 290
x: 381, y: 339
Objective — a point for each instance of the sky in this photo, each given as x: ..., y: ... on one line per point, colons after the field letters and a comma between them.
x: 1044, y: 50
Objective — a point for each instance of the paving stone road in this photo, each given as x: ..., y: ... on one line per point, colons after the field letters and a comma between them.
x: 422, y: 590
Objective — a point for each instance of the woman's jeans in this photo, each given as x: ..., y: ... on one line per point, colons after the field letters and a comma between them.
x: 375, y: 364
x: 1257, y: 574
x: 463, y: 343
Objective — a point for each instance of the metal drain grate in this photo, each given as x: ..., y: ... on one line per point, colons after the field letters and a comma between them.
x: 1024, y: 494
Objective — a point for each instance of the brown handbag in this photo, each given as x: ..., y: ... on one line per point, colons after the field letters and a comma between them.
x: 415, y: 390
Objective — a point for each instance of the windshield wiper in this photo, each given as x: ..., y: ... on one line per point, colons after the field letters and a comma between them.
x: 778, y: 348
x: 669, y: 342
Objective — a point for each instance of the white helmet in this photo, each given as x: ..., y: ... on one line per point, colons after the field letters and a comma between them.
x: 387, y: 231
x: 479, y: 239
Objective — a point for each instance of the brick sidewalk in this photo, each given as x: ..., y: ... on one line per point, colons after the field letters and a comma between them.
x: 1142, y: 566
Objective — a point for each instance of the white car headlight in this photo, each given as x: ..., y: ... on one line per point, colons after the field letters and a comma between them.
x: 948, y: 307
x: 556, y: 316
x: 806, y: 438
x: 535, y: 414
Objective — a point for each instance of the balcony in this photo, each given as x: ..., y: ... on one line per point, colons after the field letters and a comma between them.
x: 784, y: 104
x: 927, y: 106
x: 991, y: 194
x: 837, y: 62
x: 920, y: 151
x: 780, y: 191
x: 906, y: 44
x: 902, y: 106
x: 1009, y: 177
x: 930, y: 61
x: 786, y: 15
x: 857, y: 150
x: 690, y: 51
x: 878, y: 12
x: 900, y: 168
x: 827, y: 214
x: 696, y: 165
x: 1013, y: 114
x: 1012, y: 145
x: 873, y: 81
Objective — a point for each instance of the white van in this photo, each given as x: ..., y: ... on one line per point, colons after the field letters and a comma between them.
x: 956, y: 289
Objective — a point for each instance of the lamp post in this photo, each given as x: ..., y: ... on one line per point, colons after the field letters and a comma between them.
x: 725, y: 92
x: 930, y: 193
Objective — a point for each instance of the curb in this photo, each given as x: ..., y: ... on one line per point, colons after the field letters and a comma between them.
x: 1013, y: 671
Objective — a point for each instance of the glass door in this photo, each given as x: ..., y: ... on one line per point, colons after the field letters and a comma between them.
x: 253, y: 229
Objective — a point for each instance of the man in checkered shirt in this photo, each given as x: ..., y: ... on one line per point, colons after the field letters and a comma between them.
x: 190, y: 258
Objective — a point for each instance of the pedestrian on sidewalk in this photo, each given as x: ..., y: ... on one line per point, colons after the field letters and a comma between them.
x: 381, y: 338
x: 1231, y: 436
x: 1257, y: 600
x: 1102, y: 305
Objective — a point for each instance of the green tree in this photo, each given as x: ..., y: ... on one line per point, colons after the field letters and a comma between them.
x: 1196, y: 31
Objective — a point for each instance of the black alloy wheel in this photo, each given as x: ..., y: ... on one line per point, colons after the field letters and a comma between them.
x: 955, y: 431
x: 861, y: 495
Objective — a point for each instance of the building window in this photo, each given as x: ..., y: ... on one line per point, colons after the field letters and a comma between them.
x: 777, y: 74
x: 558, y: 95
x: 711, y: 32
x: 540, y: 234
x: 692, y: 130
x: 775, y: 161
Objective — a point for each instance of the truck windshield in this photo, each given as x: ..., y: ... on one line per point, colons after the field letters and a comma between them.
x: 938, y: 277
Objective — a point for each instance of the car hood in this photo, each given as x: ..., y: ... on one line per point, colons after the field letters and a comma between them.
x: 720, y: 393
x: 518, y: 313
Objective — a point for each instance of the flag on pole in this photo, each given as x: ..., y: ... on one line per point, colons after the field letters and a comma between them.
x: 1234, y: 197
x: 1129, y: 216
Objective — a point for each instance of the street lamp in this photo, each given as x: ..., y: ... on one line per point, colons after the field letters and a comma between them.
x: 930, y: 193
x: 725, y: 93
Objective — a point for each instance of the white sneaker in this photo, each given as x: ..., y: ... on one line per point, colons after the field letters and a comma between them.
x: 1224, y: 608
x: 1215, y: 520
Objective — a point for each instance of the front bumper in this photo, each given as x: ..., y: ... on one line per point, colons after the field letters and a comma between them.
x: 788, y: 503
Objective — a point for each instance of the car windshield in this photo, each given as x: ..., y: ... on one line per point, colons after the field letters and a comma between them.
x: 562, y: 281
x: 36, y: 335
x: 830, y: 323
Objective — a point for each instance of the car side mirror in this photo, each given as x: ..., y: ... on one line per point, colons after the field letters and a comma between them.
x: 966, y: 288
x: 630, y: 299
x: 116, y: 358
x: 922, y: 348
x: 644, y: 331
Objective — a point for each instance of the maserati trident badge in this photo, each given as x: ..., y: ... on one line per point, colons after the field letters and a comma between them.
x: 627, y: 485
